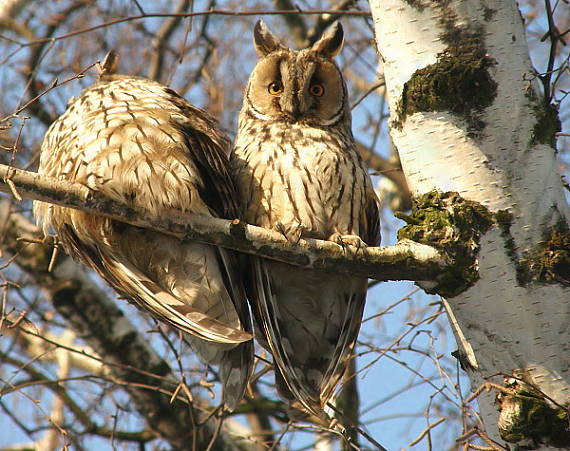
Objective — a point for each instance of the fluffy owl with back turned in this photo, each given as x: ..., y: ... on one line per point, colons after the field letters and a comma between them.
x: 143, y: 145
x: 299, y: 172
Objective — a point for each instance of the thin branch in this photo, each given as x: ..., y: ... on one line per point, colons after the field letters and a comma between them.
x: 56, y: 386
x: 208, y: 52
x: 554, y: 38
x: 406, y: 260
x: 213, y: 12
x: 295, y: 22
x: 260, y: 422
x: 389, y: 169
x: 426, y: 431
x: 104, y: 327
x: 53, y: 85
x: 324, y: 20
x: 160, y: 40
x: 35, y: 103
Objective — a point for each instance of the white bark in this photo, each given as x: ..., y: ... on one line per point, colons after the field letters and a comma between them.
x: 509, y: 327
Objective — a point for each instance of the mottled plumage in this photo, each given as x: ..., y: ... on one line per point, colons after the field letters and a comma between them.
x: 298, y: 170
x: 141, y: 144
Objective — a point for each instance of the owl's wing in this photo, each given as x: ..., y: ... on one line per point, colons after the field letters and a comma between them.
x: 370, y: 219
x: 216, y: 186
x: 236, y: 366
x: 132, y: 283
x: 137, y: 142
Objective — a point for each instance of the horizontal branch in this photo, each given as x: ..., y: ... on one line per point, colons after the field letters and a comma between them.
x: 406, y: 260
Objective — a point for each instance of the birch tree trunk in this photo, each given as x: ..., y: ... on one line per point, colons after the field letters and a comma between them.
x: 476, y: 144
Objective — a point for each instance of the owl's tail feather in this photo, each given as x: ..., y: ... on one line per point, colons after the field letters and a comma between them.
x: 286, y: 378
x: 171, y: 309
x: 346, y: 342
x: 307, y: 386
x: 236, y: 365
x: 235, y: 370
x: 130, y: 282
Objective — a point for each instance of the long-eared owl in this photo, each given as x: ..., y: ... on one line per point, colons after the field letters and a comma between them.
x: 143, y: 145
x: 298, y: 170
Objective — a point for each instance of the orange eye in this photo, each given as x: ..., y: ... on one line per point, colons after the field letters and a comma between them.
x: 317, y: 90
x: 275, y: 88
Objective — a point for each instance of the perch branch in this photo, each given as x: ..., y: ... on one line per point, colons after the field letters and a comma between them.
x: 406, y: 260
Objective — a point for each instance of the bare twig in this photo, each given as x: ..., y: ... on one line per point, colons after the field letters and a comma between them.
x: 555, y: 37
x: 213, y: 12
x: 426, y: 431
x: 126, y: 351
x: 324, y: 20
x: 295, y: 22
x: 35, y: 105
x: 160, y: 40
x: 388, y: 169
x: 55, y: 385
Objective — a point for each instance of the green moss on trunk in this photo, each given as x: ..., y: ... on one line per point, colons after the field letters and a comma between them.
x: 547, y: 125
x: 459, y: 82
x: 549, y: 262
x: 454, y: 225
x: 527, y: 416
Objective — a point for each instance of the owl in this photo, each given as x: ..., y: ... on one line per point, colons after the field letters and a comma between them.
x: 143, y: 145
x: 298, y: 171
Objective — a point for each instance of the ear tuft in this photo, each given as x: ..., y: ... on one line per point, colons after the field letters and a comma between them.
x: 331, y: 41
x: 264, y: 41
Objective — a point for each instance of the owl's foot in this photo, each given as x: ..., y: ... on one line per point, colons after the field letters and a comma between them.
x: 297, y: 412
x: 350, y: 243
x: 293, y: 232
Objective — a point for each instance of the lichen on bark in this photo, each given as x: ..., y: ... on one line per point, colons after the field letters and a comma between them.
x: 547, y: 125
x: 547, y: 120
x: 549, y: 262
x: 527, y: 416
x: 459, y: 82
x: 454, y: 225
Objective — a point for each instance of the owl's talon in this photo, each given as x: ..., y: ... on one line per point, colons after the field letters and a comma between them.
x: 293, y: 233
x: 348, y: 242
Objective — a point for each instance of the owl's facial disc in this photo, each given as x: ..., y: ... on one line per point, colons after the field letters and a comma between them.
x: 296, y: 87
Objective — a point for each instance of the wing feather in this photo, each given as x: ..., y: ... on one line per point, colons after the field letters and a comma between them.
x: 141, y: 143
x: 269, y: 317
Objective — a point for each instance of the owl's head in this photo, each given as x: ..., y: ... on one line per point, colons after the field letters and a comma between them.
x: 303, y: 86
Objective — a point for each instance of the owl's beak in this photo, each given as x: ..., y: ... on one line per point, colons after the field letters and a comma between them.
x: 290, y: 108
